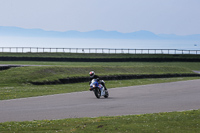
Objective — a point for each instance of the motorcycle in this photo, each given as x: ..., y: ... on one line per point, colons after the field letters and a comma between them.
x: 98, y: 89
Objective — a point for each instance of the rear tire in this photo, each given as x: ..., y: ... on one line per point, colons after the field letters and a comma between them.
x: 107, y: 94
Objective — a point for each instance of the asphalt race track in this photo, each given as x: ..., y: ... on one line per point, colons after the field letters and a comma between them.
x: 164, y: 97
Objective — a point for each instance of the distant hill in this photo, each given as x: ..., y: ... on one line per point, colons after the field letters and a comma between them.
x: 16, y: 31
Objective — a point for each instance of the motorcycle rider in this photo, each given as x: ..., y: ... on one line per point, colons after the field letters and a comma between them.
x: 93, y: 76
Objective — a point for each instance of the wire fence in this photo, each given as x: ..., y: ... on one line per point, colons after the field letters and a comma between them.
x: 95, y: 50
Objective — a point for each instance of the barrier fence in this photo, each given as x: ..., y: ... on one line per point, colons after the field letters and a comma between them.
x: 95, y: 50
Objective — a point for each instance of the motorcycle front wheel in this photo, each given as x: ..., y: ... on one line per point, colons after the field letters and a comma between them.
x: 97, y: 92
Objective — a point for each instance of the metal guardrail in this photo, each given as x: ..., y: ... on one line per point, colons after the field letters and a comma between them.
x: 95, y: 50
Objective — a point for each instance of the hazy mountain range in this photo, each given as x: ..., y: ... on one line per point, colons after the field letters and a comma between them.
x: 16, y: 31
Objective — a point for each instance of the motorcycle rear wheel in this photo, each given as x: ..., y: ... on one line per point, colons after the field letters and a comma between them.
x: 107, y: 94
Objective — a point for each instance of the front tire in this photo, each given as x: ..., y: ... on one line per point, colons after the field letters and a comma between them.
x: 97, y: 92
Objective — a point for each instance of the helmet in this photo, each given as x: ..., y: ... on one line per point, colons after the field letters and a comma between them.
x: 91, y: 73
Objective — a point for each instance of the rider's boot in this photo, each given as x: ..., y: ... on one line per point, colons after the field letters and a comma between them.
x: 105, y: 88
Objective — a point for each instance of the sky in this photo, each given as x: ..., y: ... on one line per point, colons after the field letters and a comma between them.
x: 180, y: 17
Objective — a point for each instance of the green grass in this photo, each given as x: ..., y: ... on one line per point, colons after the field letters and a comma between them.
x: 179, y: 122
x: 15, y: 82
x: 189, y: 65
x: 97, y: 55
x: 24, y: 75
x: 26, y: 90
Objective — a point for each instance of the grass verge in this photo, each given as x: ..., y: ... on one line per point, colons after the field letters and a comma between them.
x: 189, y: 65
x: 184, y: 122
x: 26, y: 90
x: 25, y: 75
x: 15, y: 82
x: 99, y: 55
